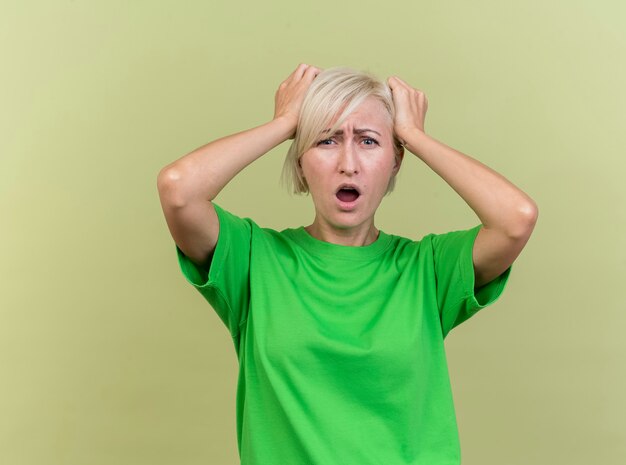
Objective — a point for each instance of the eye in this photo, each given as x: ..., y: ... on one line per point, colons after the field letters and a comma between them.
x: 370, y: 141
x: 324, y: 142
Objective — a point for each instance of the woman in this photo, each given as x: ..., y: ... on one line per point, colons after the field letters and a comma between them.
x: 338, y: 326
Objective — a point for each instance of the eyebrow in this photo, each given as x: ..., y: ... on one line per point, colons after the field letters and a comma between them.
x: 356, y: 131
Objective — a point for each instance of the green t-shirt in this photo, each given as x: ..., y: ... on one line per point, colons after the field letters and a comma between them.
x: 341, y: 348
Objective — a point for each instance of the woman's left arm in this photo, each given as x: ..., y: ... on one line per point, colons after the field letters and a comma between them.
x: 508, y: 214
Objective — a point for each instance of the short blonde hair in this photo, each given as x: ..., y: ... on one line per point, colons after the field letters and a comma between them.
x: 332, y: 90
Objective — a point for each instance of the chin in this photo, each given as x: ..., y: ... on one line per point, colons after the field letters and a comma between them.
x: 345, y: 220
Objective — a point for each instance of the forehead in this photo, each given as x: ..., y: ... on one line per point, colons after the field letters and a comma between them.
x: 371, y: 112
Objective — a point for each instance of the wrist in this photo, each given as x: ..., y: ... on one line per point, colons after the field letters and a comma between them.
x: 413, y: 134
x: 414, y: 141
x: 285, y: 126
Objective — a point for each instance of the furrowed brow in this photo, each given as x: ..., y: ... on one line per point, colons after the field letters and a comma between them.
x: 356, y: 131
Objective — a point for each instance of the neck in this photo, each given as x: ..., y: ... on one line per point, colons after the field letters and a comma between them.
x: 357, y: 236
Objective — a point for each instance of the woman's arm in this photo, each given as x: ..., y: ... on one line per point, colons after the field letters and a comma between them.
x: 203, y: 173
x: 507, y: 213
x: 187, y: 185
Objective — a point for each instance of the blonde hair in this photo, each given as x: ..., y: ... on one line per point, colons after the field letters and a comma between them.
x: 332, y: 90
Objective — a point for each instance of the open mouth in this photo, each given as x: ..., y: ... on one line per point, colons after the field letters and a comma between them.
x: 347, y: 194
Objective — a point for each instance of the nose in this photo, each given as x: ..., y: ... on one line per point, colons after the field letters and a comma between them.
x: 348, y: 160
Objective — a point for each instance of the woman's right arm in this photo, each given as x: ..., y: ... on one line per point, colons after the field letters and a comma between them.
x: 188, y: 185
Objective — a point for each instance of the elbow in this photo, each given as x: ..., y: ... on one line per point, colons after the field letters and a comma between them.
x: 530, y: 213
x: 527, y: 218
x: 169, y: 184
x: 168, y: 176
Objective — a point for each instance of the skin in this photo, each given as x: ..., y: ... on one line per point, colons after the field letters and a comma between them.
x: 366, y: 159
x: 508, y: 215
x: 186, y: 186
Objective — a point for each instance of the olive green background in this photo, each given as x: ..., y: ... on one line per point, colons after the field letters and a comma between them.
x: 108, y: 356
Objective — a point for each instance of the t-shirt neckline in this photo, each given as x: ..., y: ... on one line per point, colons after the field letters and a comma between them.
x: 341, y: 252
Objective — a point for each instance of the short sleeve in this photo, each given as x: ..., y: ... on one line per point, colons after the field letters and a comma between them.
x: 226, y: 284
x: 454, y: 272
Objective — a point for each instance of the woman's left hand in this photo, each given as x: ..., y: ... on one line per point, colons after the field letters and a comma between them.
x: 411, y: 106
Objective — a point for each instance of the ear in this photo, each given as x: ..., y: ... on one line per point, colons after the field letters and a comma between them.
x: 300, y: 170
x: 398, y: 160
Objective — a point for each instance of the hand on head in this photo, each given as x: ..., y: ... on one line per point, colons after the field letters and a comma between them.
x: 410, y: 108
x: 410, y: 104
x: 290, y: 94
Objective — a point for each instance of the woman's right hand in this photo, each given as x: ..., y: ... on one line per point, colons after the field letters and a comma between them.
x: 290, y: 94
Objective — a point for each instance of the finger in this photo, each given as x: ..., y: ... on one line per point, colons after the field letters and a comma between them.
x: 291, y: 76
x: 311, y: 73
x: 300, y: 70
x: 294, y: 72
x: 397, y: 88
x: 409, y: 87
x: 400, y: 84
x: 395, y: 80
x: 401, y: 81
